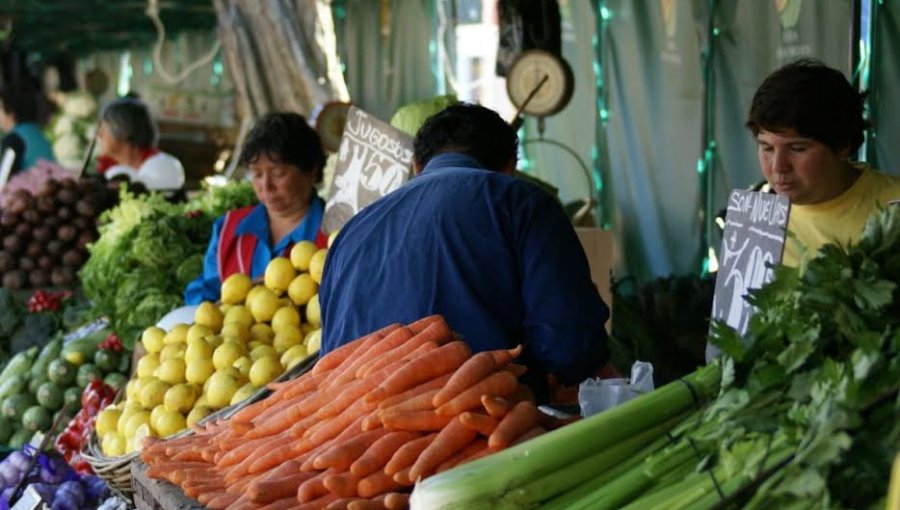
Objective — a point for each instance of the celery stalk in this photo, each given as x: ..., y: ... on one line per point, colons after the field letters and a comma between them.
x: 489, y: 478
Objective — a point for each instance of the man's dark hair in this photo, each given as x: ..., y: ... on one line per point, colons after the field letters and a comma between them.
x: 285, y: 137
x: 130, y: 121
x: 470, y: 129
x: 814, y: 100
x: 23, y: 104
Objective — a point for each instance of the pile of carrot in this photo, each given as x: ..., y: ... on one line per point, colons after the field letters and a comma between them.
x: 356, y: 431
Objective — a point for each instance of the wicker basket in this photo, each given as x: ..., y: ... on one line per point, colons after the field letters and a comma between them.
x: 116, y: 471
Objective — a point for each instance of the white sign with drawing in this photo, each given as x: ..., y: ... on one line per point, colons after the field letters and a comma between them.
x: 753, y: 241
x: 374, y: 159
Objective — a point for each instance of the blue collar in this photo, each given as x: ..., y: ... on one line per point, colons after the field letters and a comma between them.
x: 452, y: 160
x: 257, y: 223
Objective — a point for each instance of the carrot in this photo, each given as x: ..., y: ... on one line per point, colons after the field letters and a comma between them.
x: 407, y: 454
x: 384, y: 348
x: 415, y: 421
x: 531, y: 433
x: 206, y: 478
x: 453, y: 438
x: 278, y: 422
x: 500, y: 383
x: 272, y: 489
x: 351, y: 393
x: 342, y: 484
x: 516, y: 369
x: 314, y: 487
x: 331, y: 428
x: 375, y: 484
x: 409, y: 350
x: 320, y: 503
x: 281, y: 504
x: 376, y: 503
x: 220, y: 501
x: 380, y: 453
x: 337, y: 357
x: 438, y: 362
x: 372, y: 421
x: 496, y: 406
x: 240, y: 453
x: 463, y: 455
x: 341, y: 504
x: 307, y: 383
x: 481, y: 423
x: 522, y: 417
x: 347, y: 369
x: 423, y: 323
x: 396, y: 501
x: 271, y: 456
x: 473, y: 370
x: 503, y: 357
x: 420, y: 402
x: 240, y: 486
x: 159, y: 471
x: 342, y: 455
x: 192, y: 491
x: 298, y: 429
x: 402, y: 476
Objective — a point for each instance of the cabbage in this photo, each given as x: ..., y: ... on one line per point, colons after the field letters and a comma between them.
x: 410, y: 117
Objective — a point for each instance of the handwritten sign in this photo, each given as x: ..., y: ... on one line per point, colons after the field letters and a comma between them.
x: 374, y: 159
x: 753, y: 241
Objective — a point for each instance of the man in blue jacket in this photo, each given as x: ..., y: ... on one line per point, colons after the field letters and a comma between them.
x: 18, y: 117
x: 496, y: 256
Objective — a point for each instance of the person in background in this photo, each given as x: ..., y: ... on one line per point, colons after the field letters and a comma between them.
x: 285, y: 159
x: 127, y: 137
x: 18, y: 116
x: 496, y: 256
x: 808, y: 123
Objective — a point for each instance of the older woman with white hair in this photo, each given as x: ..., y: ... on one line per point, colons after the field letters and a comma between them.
x: 127, y: 137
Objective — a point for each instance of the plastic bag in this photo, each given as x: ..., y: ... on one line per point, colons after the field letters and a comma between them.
x: 597, y: 395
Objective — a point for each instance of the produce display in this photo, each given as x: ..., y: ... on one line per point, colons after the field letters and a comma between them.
x: 231, y: 351
x: 54, y: 480
x: 359, y: 428
x: 148, y: 250
x: 806, y: 416
x: 37, y: 384
x: 46, y: 233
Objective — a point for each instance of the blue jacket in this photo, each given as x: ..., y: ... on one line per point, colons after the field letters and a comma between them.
x: 34, y: 146
x: 494, y: 255
x: 208, y: 285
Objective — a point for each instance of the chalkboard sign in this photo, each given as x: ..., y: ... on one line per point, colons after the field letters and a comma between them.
x: 753, y: 241
x: 374, y: 159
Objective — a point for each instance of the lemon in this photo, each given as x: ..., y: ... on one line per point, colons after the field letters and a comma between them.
x: 252, y: 294
x: 107, y: 420
x: 147, y: 365
x: 134, y: 422
x: 301, y: 253
x: 233, y: 372
x: 198, y: 371
x: 143, y: 431
x: 285, y: 317
x: 238, y: 313
x: 287, y: 339
x: 198, y: 331
x: 201, y: 401
x: 209, y: 315
x: 317, y: 265
x: 245, y: 392
x: 226, y: 354
x: 214, y: 340
x: 197, y: 349
x: 172, y: 351
x: 243, y: 365
x: 262, y: 332
x: 293, y: 355
x: 180, y: 398
x: 112, y: 444
x: 262, y: 351
x: 197, y: 414
x: 153, y: 393
x: 235, y: 288
x: 308, y: 328
x: 177, y: 335
x: 222, y: 387
x: 279, y: 273
x: 170, y: 422
x: 314, y: 342
x: 302, y: 288
x: 236, y: 331
x: 264, y: 305
x: 224, y: 309
x: 155, y: 414
x: 171, y: 371
x: 265, y: 370
x: 313, y: 312
x: 331, y: 237
x: 152, y: 339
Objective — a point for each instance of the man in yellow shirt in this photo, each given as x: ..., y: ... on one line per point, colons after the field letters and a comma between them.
x: 808, y: 121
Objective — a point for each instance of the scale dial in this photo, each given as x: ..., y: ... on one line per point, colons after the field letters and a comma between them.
x: 527, y: 72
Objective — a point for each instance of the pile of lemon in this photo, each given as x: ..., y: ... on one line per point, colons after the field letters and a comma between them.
x: 231, y: 350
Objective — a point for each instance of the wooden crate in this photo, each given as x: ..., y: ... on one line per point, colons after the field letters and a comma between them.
x: 157, y: 495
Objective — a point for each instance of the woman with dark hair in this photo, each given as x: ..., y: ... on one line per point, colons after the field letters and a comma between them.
x: 18, y: 120
x: 808, y: 123
x: 285, y: 158
x: 127, y: 138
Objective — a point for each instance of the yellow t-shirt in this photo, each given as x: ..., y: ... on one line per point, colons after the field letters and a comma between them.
x: 841, y: 219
